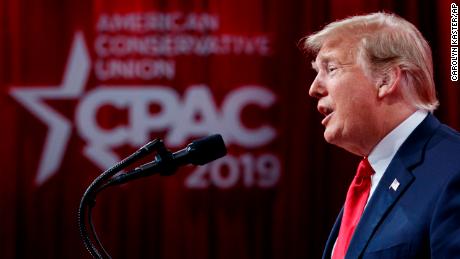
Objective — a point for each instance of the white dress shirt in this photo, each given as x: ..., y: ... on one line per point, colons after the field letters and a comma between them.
x: 382, y: 154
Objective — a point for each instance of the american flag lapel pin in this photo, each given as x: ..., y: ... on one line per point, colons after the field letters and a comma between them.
x: 394, y: 185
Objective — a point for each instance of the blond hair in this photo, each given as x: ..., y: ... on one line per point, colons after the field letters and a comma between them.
x: 385, y: 41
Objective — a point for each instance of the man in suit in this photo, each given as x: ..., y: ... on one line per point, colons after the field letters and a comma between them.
x: 375, y: 88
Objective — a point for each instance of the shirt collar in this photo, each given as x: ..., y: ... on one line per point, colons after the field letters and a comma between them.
x: 382, y: 154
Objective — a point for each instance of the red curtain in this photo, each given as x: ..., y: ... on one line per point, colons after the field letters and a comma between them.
x: 84, y: 83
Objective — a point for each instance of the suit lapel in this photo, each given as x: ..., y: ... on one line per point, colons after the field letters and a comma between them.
x: 382, y: 200
x: 396, y: 179
x: 332, y: 236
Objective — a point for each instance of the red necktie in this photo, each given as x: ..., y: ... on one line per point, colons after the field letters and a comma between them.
x: 356, y: 200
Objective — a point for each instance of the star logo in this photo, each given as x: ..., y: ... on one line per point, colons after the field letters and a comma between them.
x: 59, y: 127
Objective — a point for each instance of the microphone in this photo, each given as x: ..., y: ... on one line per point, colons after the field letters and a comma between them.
x: 199, y: 152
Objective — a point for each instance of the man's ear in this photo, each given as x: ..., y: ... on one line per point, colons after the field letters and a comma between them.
x: 390, y: 82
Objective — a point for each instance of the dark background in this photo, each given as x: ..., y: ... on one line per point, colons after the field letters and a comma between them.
x: 160, y: 217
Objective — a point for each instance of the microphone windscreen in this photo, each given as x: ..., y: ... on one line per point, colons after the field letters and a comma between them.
x: 207, y: 149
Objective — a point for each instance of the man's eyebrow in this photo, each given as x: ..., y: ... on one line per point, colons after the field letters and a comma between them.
x: 324, y: 61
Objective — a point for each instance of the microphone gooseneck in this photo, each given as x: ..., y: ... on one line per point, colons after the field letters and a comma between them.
x: 198, y: 152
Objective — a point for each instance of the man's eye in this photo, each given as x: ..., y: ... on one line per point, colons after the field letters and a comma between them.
x: 331, y: 69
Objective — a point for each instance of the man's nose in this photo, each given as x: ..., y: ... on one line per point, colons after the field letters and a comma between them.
x: 317, y: 88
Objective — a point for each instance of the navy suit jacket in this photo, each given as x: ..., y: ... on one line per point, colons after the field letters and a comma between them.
x: 421, y: 219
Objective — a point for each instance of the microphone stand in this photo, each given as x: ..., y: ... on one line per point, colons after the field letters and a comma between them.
x: 198, y: 152
x: 88, y: 200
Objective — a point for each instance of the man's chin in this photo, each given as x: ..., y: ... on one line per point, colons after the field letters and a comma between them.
x: 333, y: 137
x: 328, y: 136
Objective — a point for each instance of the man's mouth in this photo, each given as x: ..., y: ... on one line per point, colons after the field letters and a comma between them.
x: 327, y: 118
x: 327, y: 112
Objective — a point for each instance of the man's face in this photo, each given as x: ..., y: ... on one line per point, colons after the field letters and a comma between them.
x: 346, y: 97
